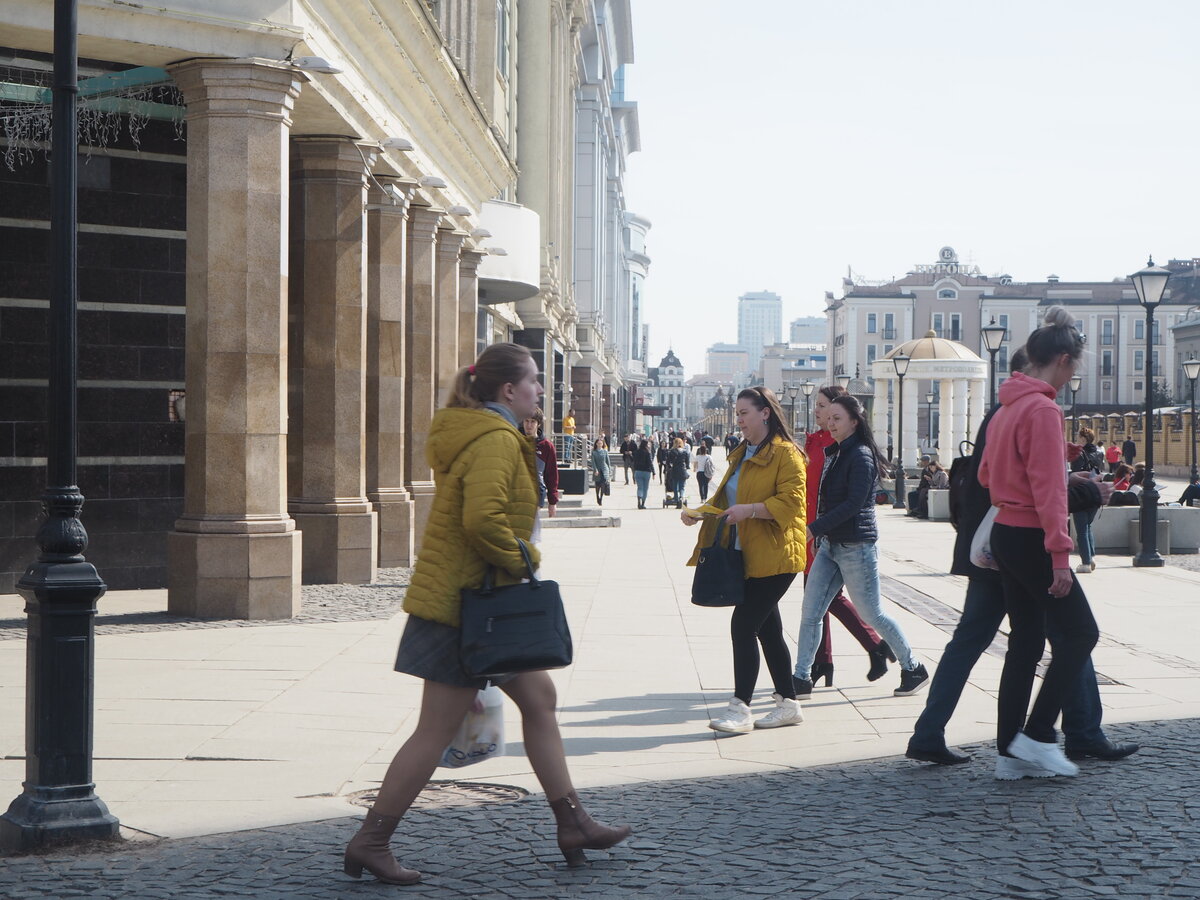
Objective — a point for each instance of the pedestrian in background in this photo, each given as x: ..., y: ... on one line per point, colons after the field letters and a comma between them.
x: 643, y: 471
x: 1112, y: 455
x: 845, y: 536
x: 1129, y: 450
x: 678, y: 463
x: 1024, y: 469
x: 601, y: 470
x: 568, y: 427
x: 547, y: 462
x: 1090, y: 461
x: 485, y: 502
x: 706, y: 469
x: 762, y: 494
x: 878, y: 652
x: 627, y: 447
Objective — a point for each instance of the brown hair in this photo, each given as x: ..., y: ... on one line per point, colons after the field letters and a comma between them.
x: 497, y: 365
x: 832, y: 391
x: 1088, y: 436
x: 862, y: 428
x: 1054, y: 338
x: 764, y: 398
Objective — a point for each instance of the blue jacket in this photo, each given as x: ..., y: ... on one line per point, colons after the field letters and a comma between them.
x: 846, y: 505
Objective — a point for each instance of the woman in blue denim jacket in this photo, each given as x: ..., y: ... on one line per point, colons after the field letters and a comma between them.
x: 845, y: 536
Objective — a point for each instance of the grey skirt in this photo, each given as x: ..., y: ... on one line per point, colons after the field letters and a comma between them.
x: 430, y: 650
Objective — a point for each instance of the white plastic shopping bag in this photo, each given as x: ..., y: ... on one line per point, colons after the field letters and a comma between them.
x: 981, y: 543
x: 481, y: 734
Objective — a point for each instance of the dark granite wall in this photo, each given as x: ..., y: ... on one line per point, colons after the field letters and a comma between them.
x: 129, y: 444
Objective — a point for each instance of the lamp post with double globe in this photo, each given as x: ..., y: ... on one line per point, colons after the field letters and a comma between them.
x: 1191, y: 368
x: 1150, y: 283
x: 900, y: 362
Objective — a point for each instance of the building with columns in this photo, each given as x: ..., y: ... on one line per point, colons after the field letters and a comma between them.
x: 319, y: 213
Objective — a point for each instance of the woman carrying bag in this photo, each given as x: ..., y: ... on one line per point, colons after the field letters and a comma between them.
x: 762, y: 494
x: 484, y: 506
x: 601, y: 469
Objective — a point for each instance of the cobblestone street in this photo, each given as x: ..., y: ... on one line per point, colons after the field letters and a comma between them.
x: 881, y: 828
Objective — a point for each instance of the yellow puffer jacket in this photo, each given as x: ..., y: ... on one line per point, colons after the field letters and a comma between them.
x: 774, y: 476
x: 486, y: 499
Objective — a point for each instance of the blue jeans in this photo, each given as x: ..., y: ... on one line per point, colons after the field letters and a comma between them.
x: 983, y: 611
x: 856, y: 567
x: 1083, y: 532
x: 642, y: 479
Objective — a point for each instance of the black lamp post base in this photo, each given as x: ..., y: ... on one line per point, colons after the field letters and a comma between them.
x: 1148, y: 561
x: 45, y: 817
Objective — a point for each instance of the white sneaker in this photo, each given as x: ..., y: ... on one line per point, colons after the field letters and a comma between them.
x: 1009, y: 768
x: 1085, y: 568
x: 1044, y: 755
x: 786, y: 712
x: 736, y: 719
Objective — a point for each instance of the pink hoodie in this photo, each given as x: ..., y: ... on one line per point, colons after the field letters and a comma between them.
x: 1025, y: 463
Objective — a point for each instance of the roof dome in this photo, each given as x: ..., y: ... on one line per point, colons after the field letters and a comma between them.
x: 933, y: 347
x: 670, y: 360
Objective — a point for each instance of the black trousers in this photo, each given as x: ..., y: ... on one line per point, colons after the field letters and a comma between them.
x: 756, y: 622
x: 702, y: 481
x: 1026, y: 572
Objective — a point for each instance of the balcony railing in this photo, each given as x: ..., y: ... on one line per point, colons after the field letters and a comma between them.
x: 889, y: 334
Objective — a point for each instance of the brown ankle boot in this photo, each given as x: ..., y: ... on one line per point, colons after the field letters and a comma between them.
x: 369, y: 850
x: 577, y: 831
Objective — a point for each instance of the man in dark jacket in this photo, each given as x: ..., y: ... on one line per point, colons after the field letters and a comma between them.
x: 1129, y: 450
x: 983, y: 611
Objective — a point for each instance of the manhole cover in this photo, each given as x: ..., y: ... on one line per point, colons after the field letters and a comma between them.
x: 446, y: 794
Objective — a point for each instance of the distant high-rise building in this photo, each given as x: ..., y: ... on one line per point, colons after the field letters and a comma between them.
x: 760, y: 322
x: 809, y: 330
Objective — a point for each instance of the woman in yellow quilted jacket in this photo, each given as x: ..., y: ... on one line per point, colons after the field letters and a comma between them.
x: 763, y: 495
x: 486, y: 500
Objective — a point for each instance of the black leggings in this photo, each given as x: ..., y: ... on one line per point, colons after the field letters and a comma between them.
x: 756, y: 621
x: 702, y: 481
x: 1026, y: 573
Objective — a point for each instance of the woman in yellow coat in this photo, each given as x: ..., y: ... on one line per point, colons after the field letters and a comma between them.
x: 486, y: 501
x: 763, y: 495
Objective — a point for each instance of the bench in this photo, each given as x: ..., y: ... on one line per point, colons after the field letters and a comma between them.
x: 1112, y: 534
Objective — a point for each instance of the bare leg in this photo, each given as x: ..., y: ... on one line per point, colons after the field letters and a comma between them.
x: 535, y: 696
x: 442, y: 710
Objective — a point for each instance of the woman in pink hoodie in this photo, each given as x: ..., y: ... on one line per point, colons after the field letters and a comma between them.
x: 1025, y: 469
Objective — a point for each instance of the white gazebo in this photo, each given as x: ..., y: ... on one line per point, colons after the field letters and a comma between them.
x: 963, y: 380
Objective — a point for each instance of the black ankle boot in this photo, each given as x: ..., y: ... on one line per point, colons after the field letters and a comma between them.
x: 879, y: 661
x: 822, y: 670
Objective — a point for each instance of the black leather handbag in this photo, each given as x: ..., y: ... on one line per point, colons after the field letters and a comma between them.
x: 719, y: 578
x: 515, y: 628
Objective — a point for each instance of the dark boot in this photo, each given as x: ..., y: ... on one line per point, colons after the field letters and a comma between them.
x: 369, y: 850
x: 879, y: 661
x: 577, y: 831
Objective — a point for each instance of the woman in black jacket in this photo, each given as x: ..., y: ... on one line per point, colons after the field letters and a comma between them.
x: 844, y: 533
x: 643, y: 468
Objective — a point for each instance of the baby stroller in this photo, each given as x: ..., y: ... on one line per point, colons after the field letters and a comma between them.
x: 676, y: 471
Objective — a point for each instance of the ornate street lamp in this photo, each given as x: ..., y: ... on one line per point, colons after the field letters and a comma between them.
x: 993, y: 337
x: 1074, y: 384
x: 929, y: 398
x: 1191, y: 368
x: 792, y: 391
x: 59, y: 802
x: 844, y: 380
x: 900, y: 362
x: 808, y: 387
x: 1150, y: 283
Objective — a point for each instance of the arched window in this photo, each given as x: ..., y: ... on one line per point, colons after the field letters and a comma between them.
x: 947, y: 294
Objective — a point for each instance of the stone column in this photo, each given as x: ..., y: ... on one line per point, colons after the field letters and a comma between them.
x: 958, y: 424
x: 446, y: 336
x: 468, y: 305
x: 945, y: 433
x: 419, y: 360
x: 879, y: 412
x: 327, y: 491
x: 976, y: 406
x: 387, y: 238
x: 911, y: 408
x: 235, y: 553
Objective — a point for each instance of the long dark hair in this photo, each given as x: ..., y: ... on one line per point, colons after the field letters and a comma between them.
x: 862, y: 428
x: 764, y: 398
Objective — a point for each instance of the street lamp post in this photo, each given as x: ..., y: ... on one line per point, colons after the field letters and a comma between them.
x: 808, y: 387
x: 1149, y: 283
x: 792, y: 391
x: 900, y: 362
x: 1191, y: 368
x: 59, y: 802
x: 929, y: 415
x: 993, y: 337
x: 844, y: 380
x: 1075, y: 383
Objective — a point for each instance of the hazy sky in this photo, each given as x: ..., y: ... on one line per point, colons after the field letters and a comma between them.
x: 784, y: 140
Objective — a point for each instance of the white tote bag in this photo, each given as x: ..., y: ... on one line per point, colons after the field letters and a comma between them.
x: 981, y: 543
x: 481, y: 734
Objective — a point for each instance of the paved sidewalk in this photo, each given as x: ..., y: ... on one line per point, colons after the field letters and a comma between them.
x: 204, y: 731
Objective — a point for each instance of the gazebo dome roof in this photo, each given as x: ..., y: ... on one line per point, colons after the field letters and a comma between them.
x: 933, y: 347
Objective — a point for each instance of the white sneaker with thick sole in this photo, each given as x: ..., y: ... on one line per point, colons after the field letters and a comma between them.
x: 1041, y: 754
x: 1009, y: 768
x: 1085, y: 568
x: 786, y: 712
x: 735, y: 720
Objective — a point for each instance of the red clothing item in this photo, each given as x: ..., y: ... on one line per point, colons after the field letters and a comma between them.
x: 545, y: 452
x: 1112, y: 453
x: 814, y: 449
x: 1122, y: 484
x: 1024, y: 463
